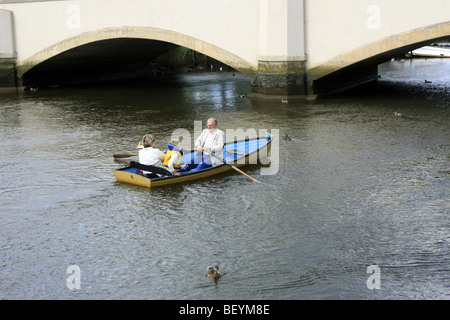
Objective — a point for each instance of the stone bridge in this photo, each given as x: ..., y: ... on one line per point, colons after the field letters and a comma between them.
x: 292, y: 48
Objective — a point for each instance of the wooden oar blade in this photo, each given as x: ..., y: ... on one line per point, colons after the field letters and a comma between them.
x: 124, y: 155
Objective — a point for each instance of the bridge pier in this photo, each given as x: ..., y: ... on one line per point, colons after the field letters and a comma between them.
x: 8, y: 76
x: 277, y: 79
x: 281, y: 50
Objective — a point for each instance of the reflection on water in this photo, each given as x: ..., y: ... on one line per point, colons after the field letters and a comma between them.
x: 356, y: 186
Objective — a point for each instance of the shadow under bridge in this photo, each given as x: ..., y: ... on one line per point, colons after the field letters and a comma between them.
x: 98, y: 61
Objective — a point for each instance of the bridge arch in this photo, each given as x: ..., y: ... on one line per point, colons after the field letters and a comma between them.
x: 360, y: 64
x: 166, y: 40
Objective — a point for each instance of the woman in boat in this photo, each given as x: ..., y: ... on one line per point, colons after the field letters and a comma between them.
x: 173, y: 158
x: 150, y: 155
x: 209, y: 146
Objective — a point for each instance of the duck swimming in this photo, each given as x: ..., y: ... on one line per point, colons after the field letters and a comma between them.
x: 213, y: 272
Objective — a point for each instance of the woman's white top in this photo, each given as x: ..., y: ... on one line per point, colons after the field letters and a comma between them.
x: 151, y: 157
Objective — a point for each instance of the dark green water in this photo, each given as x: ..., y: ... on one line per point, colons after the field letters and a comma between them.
x: 356, y: 186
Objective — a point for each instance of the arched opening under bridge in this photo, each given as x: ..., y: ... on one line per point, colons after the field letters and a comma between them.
x: 114, y: 54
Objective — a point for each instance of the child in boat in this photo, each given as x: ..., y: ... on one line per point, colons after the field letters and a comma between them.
x: 150, y: 155
x: 173, y: 158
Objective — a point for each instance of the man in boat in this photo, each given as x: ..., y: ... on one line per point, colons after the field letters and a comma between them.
x: 209, y: 146
x: 150, y: 155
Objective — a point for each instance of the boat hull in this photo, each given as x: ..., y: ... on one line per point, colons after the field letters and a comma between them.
x: 239, y: 159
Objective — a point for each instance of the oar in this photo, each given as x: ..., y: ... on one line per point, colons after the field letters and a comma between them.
x: 124, y: 155
x: 238, y: 170
x: 241, y: 172
x: 237, y: 152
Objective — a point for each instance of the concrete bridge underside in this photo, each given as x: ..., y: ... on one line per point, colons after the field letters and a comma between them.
x: 359, y: 66
x: 99, y: 61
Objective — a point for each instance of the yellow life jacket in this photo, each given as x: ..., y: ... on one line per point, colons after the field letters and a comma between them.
x: 176, y: 165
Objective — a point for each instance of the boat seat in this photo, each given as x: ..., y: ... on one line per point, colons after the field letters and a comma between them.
x: 154, y: 169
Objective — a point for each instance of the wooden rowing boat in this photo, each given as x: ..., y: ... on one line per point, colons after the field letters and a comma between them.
x: 237, y: 153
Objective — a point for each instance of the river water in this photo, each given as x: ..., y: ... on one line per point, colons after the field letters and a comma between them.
x: 356, y: 186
